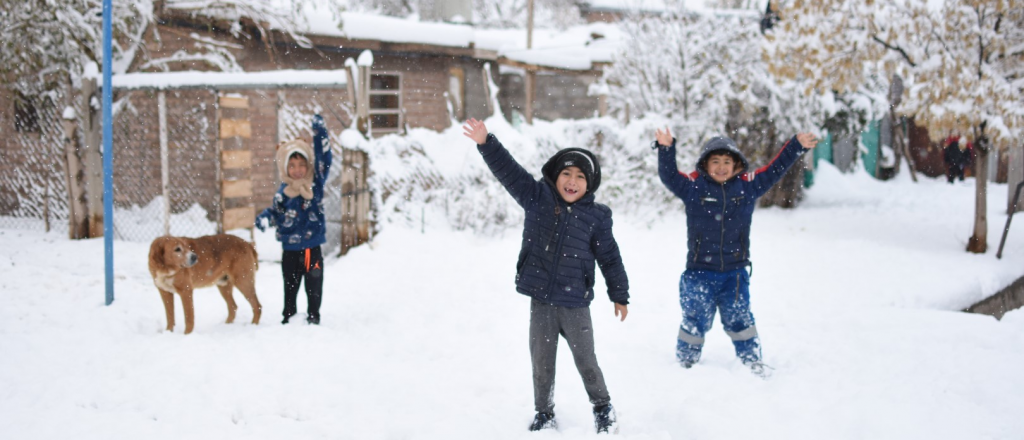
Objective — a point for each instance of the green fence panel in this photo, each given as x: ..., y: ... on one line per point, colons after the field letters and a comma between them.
x: 870, y: 140
x: 822, y: 152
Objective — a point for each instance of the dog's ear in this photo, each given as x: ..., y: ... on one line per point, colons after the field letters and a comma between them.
x: 156, y: 252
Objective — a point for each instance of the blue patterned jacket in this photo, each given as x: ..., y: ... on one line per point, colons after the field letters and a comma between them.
x: 301, y: 223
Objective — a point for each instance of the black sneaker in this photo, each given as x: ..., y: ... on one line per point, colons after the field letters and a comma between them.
x: 604, y: 419
x: 543, y: 420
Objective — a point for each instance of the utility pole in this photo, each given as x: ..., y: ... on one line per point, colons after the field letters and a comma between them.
x: 531, y: 75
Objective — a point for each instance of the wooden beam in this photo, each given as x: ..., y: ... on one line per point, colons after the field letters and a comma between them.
x: 239, y: 218
x: 536, y: 68
x: 236, y: 188
x: 240, y: 159
x: 234, y: 102
x: 235, y: 127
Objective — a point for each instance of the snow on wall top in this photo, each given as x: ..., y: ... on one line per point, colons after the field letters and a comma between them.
x: 270, y: 79
x: 360, y: 26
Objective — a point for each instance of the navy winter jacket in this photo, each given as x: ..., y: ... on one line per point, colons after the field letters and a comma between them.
x: 561, y: 241
x: 718, y: 215
x: 301, y: 223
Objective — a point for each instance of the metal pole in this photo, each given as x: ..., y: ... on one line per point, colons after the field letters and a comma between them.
x: 531, y: 75
x: 165, y: 179
x: 1006, y: 230
x: 108, y: 156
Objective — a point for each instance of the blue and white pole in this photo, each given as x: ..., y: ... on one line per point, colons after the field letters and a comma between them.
x: 108, y: 156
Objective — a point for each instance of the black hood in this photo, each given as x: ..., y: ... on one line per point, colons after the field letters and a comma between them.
x: 551, y: 168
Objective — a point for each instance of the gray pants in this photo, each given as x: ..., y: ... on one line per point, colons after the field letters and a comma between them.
x: 546, y: 323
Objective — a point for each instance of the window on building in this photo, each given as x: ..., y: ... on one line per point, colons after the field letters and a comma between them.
x: 457, y: 92
x: 385, y: 102
x: 26, y: 117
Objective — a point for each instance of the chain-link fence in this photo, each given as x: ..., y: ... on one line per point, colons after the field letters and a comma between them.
x: 33, y: 187
x: 192, y: 164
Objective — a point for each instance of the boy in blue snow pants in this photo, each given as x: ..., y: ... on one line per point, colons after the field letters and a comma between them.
x: 700, y: 293
x: 720, y: 198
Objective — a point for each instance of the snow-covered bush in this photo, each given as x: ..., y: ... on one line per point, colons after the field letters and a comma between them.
x: 443, y: 173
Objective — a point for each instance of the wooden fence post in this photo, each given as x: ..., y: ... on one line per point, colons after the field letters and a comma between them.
x: 235, y: 168
x: 92, y: 160
x: 78, y: 225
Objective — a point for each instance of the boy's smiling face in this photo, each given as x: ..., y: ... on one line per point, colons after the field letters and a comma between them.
x: 721, y: 167
x: 571, y: 184
x: 297, y: 167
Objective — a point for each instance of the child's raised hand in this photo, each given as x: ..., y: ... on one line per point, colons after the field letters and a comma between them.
x: 475, y: 130
x: 664, y: 139
x: 807, y: 140
x: 621, y: 309
x: 318, y: 123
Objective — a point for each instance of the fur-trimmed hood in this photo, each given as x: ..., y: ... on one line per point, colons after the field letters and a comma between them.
x: 296, y: 187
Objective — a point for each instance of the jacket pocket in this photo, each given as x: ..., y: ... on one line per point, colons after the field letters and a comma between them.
x: 588, y: 275
x: 523, y: 254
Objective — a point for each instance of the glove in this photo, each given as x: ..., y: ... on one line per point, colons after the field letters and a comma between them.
x: 259, y: 224
x: 318, y: 124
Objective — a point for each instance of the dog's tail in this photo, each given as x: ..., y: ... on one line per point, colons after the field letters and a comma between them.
x: 255, y: 257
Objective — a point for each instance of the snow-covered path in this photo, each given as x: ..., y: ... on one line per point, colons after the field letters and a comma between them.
x: 423, y: 336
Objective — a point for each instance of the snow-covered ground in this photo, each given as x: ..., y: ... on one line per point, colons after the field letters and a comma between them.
x: 856, y: 294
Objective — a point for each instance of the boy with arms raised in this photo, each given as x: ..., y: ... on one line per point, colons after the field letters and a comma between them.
x: 564, y: 234
x: 720, y: 204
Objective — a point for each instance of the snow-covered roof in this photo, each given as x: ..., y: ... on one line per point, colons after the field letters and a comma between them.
x: 228, y: 80
x: 698, y: 6
x: 361, y: 26
x: 572, y: 49
x: 576, y: 48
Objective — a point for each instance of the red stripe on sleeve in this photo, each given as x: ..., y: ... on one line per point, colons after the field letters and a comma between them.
x: 765, y: 168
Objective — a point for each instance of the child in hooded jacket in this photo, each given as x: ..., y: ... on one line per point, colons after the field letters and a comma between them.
x: 565, y: 235
x: 298, y: 214
x: 719, y: 199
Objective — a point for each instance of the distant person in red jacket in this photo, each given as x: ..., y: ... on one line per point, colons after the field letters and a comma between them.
x: 957, y: 155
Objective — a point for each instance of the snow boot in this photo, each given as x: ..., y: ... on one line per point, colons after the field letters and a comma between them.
x: 686, y: 364
x: 286, y: 318
x: 543, y: 420
x: 313, y: 321
x: 759, y: 369
x: 604, y: 419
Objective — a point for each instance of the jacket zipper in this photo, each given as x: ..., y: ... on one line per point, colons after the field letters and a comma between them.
x: 558, y: 245
x: 721, y: 244
x: 696, y: 253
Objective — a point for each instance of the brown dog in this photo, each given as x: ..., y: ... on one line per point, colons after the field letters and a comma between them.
x: 180, y: 264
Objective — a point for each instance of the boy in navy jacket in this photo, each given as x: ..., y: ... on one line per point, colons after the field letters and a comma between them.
x: 298, y: 214
x: 565, y: 234
x: 719, y: 203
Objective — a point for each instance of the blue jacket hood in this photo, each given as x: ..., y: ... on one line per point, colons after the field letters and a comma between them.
x: 720, y: 144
